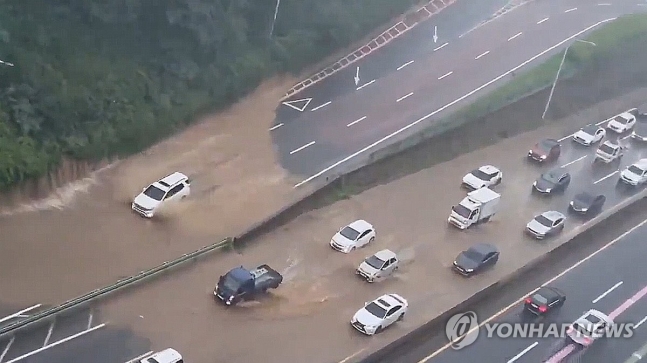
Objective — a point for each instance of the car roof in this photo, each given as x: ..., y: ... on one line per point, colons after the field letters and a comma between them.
x: 590, y: 128
x: 548, y: 292
x: 593, y: 316
x: 172, y: 179
x: 489, y: 169
x: 549, y: 142
x: 360, y: 225
x: 552, y: 215
x: 385, y: 254
x: 558, y: 172
x: 483, y: 248
x: 166, y: 355
x: 389, y: 300
x: 626, y: 115
x: 642, y: 164
x: 612, y: 144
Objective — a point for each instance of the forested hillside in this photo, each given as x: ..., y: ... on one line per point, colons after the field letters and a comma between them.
x: 97, y: 78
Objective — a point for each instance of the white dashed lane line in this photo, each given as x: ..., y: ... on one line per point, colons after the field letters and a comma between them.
x: 574, y: 161
x: 543, y: 20
x: 446, y: 75
x: 405, y: 96
x: 321, y: 106
x: 302, y: 147
x: 604, y: 4
x: 482, y: 54
x: 515, y: 36
x: 364, y: 85
x: 606, y: 177
x: 404, y: 65
x: 276, y: 127
x: 356, y: 121
x: 607, y: 292
x: 569, y: 10
x: 441, y: 47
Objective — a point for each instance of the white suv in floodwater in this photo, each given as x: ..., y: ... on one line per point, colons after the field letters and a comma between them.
x: 173, y: 187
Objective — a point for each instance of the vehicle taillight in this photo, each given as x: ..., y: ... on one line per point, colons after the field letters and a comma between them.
x: 587, y: 340
x: 542, y: 309
x: 528, y: 300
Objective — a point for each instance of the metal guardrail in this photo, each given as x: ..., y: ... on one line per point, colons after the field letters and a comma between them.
x: 94, y: 295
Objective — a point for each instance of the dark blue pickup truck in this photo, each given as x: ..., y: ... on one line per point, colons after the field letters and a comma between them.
x: 241, y: 284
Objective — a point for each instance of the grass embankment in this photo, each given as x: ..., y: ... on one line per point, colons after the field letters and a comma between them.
x: 612, y: 36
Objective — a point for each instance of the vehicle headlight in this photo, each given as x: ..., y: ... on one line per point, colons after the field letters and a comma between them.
x: 584, y: 209
x: 371, y: 327
x: 548, y: 190
x: 543, y: 157
x: 469, y: 270
x: 529, y: 151
x: 534, y: 184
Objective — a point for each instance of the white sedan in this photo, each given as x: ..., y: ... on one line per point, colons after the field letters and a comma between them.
x: 379, y: 314
x: 622, y: 123
x: 485, y: 176
x: 355, y: 235
x: 589, y: 135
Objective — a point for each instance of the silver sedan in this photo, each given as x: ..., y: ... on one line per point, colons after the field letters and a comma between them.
x: 546, y: 224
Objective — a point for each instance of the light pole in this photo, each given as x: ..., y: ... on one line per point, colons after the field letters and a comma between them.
x: 552, y: 90
x: 276, y: 13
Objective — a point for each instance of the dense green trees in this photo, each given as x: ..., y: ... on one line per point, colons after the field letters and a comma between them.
x: 96, y: 78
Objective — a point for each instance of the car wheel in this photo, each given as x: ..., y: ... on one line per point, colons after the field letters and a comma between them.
x: 371, y: 240
x: 378, y: 330
x: 401, y: 316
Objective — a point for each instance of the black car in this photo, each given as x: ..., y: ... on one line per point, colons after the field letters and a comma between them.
x: 554, y: 181
x: 543, y: 301
x: 587, y: 203
x: 476, y: 258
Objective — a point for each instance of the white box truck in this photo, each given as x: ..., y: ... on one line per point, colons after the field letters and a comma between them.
x: 479, y: 206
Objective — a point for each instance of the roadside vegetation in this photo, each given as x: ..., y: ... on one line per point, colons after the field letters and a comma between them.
x: 627, y: 31
x: 95, y: 79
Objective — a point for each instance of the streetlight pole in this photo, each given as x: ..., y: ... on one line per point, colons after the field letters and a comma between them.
x: 276, y: 13
x: 561, y: 64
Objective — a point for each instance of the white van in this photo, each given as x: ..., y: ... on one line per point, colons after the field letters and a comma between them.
x: 165, y: 356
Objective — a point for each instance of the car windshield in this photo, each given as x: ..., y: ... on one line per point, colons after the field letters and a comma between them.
x: 622, y: 120
x: 152, y: 360
x: 584, y: 198
x: 376, y: 310
x: 230, y: 283
x: 636, y: 170
x: 607, y: 149
x: 154, y: 192
x: 349, y: 233
x: 481, y: 175
x: 552, y: 177
x: 461, y: 211
x: 544, y: 221
x: 540, y: 299
x: 591, y: 129
x: 375, y: 262
x: 583, y: 329
x: 546, y: 145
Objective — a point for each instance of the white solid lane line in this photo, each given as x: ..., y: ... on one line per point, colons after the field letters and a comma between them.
x: 569, y: 10
x: 523, y: 297
x: 641, y: 322
x: 71, y: 337
x: 607, y: 292
x: 606, y: 177
x: 516, y: 357
x: 574, y: 161
x: 90, y: 320
x: 321, y: 106
x: 542, y: 20
x: 20, y: 313
x: 441, y: 47
x: 604, y: 4
x: 49, y: 333
x: 302, y: 147
x: 276, y: 127
x: 364, y: 85
x: 515, y: 36
x: 356, y: 121
x: 482, y: 54
x: 403, y: 97
x: 452, y: 103
x: 6, y: 349
x: 445, y: 75
x: 625, y: 137
x: 404, y: 65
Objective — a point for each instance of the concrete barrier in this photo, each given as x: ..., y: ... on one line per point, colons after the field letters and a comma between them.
x: 431, y: 327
